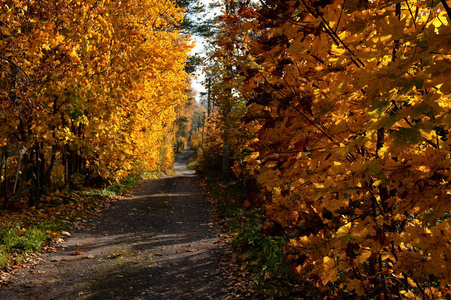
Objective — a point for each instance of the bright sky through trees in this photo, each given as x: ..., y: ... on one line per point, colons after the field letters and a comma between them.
x: 203, y: 16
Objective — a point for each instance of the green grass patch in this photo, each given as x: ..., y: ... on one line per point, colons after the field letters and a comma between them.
x: 18, y: 239
x: 116, y: 188
x: 192, y: 164
x: 150, y: 175
x: 4, y: 258
x: 260, y: 254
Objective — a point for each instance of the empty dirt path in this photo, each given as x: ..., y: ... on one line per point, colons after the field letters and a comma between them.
x: 157, y: 243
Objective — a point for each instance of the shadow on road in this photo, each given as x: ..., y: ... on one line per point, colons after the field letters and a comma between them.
x: 158, y: 243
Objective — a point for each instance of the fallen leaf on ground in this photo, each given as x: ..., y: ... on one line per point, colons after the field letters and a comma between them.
x: 115, y: 255
x: 59, y: 241
x: 76, y: 252
x: 48, y: 249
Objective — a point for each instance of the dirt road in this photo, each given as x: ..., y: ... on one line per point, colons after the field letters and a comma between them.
x: 157, y: 243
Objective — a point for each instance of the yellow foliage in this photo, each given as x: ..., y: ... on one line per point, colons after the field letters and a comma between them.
x: 97, y: 84
x: 196, y: 140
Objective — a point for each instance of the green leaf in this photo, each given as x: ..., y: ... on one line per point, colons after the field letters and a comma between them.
x: 407, y: 136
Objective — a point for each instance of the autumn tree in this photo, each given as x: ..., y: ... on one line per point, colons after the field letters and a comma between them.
x: 224, y: 135
x: 349, y: 103
x: 90, y: 88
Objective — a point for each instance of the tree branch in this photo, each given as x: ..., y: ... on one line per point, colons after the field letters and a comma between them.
x: 448, y: 10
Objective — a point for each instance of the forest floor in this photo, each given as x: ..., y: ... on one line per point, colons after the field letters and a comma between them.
x: 158, y: 242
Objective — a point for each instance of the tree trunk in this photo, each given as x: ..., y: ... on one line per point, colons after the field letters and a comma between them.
x: 209, y: 108
x: 226, y: 161
x: 5, y: 155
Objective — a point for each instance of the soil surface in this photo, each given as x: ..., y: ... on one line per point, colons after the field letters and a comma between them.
x: 157, y: 243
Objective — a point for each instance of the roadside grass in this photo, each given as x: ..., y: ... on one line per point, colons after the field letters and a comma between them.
x: 259, y: 254
x: 115, y: 189
x: 25, y: 230
x: 126, y: 184
x: 150, y: 175
x: 19, y: 239
x: 192, y: 163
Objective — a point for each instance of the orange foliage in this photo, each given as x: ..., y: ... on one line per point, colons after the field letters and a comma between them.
x: 350, y: 104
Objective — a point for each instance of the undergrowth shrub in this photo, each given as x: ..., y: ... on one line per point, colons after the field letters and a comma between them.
x: 260, y: 254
